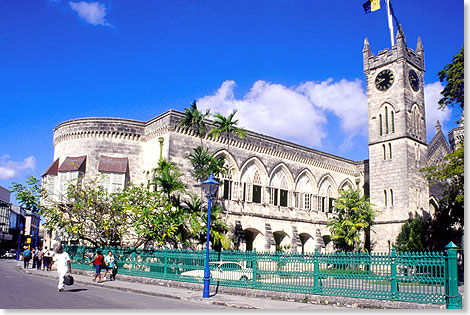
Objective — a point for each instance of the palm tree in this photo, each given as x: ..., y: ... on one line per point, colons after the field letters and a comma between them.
x: 354, y: 214
x: 194, y: 119
x: 228, y: 126
x: 167, y: 177
x: 205, y: 163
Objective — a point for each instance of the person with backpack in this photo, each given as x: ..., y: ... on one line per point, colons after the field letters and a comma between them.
x: 98, y: 262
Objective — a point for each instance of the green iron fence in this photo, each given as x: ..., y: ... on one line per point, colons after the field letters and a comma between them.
x: 423, y: 277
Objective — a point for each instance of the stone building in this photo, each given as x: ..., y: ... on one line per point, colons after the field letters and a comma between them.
x: 278, y: 193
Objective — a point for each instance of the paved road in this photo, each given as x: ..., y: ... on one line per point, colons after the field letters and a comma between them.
x: 23, y: 291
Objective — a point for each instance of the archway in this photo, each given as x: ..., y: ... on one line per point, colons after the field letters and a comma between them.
x: 253, y: 238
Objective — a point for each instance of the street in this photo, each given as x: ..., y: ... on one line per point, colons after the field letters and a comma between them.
x: 23, y: 291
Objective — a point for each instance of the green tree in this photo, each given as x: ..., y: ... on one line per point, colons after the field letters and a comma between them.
x: 453, y: 74
x: 29, y: 195
x: 153, y: 219
x: 228, y: 126
x: 447, y: 223
x: 218, y: 229
x: 194, y: 119
x: 354, y: 215
x: 205, y: 163
x: 413, y: 236
x: 168, y: 178
x: 87, y: 212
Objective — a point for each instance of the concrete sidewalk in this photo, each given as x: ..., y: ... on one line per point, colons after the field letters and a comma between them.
x: 227, y: 296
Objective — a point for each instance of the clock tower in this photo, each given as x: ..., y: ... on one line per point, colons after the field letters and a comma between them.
x: 397, y: 137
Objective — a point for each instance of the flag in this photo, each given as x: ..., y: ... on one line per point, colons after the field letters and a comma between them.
x: 393, y: 14
x: 372, y: 5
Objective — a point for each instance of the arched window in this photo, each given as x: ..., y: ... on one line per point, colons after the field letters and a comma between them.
x: 385, y: 153
x: 278, y: 193
x: 391, y: 197
x: 390, y: 150
x: 385, y: 198
x: 380, y: 122
x: 303, y: 197
x: 393, y: 120
x: 386, y: 120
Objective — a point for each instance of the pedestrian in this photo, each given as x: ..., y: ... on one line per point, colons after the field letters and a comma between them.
x: 40, y: 258
x: 33, y: 255
x: 26, y: 257
x: 62, y: 260
x: 48, y: 258
x: 98, y: 263
x: 109, y: 263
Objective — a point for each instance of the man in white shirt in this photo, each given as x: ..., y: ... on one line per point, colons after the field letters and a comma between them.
x: 62, y: 260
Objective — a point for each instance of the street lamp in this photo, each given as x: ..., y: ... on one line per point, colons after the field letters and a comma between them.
x: 19, y: 242
x: 37, y: 232
x: 210, y: 188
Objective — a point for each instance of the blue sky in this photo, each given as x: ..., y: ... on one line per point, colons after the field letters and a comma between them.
x: 293, y: 68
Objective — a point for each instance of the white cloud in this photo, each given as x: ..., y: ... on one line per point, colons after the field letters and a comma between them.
x: 297, y: 114
x: 10, y: 169
x: 346, y: 99
x: 92, y: 12
x: 432, y: 94
x: 271, y: 109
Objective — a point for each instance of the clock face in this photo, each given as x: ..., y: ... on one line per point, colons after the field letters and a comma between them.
x: 414, y: 80
x: 384, y: 80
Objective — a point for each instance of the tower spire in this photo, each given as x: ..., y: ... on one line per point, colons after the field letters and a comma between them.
x: 438, y: 127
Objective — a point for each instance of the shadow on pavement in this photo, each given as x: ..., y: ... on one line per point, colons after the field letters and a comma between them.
x: 75, y: 290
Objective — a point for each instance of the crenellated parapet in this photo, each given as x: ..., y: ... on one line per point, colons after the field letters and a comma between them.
x: 399, y: 51
x: 113, y: 128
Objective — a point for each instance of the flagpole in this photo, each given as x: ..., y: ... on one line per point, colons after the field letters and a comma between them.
x: 390, y: 24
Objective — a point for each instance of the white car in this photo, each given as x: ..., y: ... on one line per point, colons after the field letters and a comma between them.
x: 10, y: 254
x: 223, y: 270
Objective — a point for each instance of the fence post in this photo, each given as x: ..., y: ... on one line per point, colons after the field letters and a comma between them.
x: 393, y: 272
x: 254, y: 266
x: 165, y: 266
x: 453, y: 298
x: 316, y: 270
x: 133, y: 260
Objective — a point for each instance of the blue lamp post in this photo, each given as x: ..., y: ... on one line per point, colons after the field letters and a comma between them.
x: 210, y: 188
x: 19, y: 241
x: 37, y: 232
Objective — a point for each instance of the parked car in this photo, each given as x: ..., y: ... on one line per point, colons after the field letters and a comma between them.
x: 9, y: 254
x: 223, y: 270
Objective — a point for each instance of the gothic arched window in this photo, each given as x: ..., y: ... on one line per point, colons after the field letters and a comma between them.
x: 380, y: 122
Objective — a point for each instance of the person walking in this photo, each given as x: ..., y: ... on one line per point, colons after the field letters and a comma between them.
x: 62, y: 260
x: 109, y: 263
x: 47, y: 258
x: 26, y: 257
x: 40, y: 258
x: 33, y: 255
x: 98, y: 262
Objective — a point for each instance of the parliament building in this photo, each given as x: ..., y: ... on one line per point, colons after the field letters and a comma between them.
x: 279, y: 193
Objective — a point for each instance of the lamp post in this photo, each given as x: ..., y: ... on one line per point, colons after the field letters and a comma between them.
x: 210, y: 188
x: 19, y: 242
x: 37, y: 232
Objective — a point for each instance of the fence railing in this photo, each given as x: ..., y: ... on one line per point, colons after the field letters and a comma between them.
x: 424, y: 277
